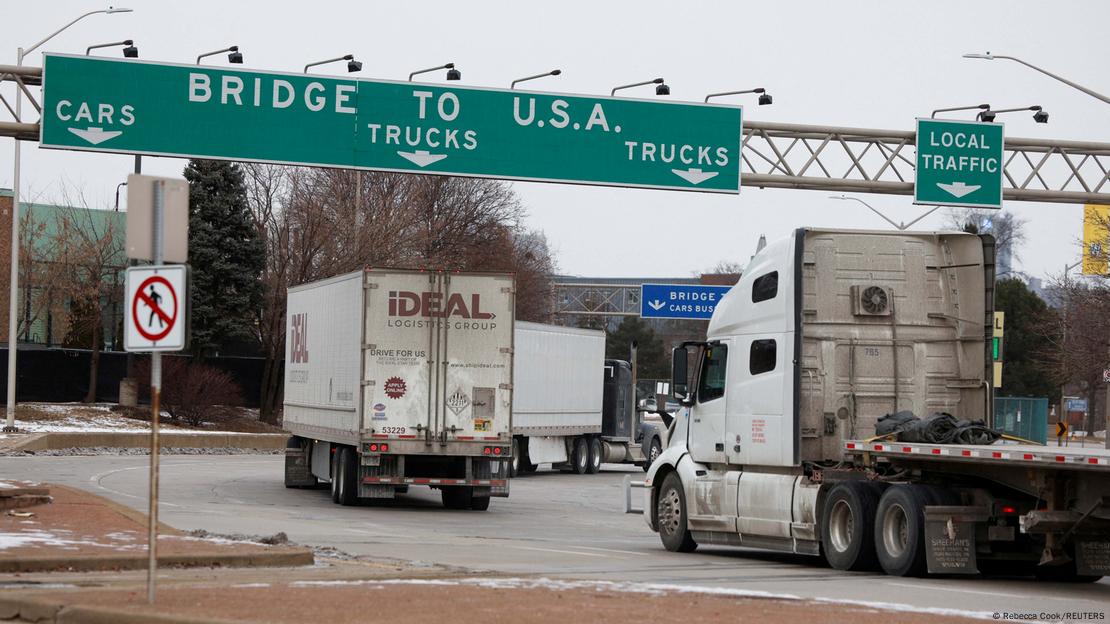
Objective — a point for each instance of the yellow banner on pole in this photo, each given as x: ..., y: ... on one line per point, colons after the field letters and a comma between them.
x: 1096, y: 239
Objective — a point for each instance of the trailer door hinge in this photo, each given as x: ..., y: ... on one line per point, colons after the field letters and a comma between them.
x: 505, y: 386
x: 506, y: 350
x: 370, y: 286
x: 367, y: 382
x: 507, y: 289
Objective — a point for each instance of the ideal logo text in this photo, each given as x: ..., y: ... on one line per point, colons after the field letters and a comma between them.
x: 431, y: 304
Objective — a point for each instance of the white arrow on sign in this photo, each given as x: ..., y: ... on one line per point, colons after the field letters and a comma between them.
x: 96, y: 136
x: 421, y: 158
x: 656, y: 304
x: 959, y: 189
x: 694, y: 175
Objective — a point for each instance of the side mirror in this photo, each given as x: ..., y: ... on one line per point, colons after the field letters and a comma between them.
x: 679, y: 376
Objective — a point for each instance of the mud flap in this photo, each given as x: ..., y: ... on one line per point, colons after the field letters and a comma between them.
x: 1092, y: 557
x: 950, y: 539
x: 298, y: 473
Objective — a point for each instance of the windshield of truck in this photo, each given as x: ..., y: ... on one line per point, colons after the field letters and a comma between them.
x: 712, y: 385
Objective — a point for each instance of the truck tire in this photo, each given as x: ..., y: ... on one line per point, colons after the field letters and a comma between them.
x: 335, y: 451
x: 479, y: 503
x: 655, y: 449
x: 900, y: 530
x: 670, y: 513
x: 847, y: 526
x: 594, y: 466
x: 348, y: 476
x: 515, y: 463
x: 457, y: 497
x: 580, y: 458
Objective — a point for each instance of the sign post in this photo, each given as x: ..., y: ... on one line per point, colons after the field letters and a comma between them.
x: 133, y: 106
x: 680, y: 301
x: 959, y: 163
x: 155, y: 317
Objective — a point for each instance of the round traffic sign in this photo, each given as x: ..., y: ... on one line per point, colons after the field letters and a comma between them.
x: 154, y: 301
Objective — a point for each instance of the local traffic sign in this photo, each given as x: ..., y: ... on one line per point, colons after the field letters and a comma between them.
x: 134, y: 106
x: 959, y: 163
x: 680, y: 301
x: 154, y: 318
x: 1061, y: 429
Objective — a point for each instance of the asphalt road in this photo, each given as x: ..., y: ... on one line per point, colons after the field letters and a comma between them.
x: 558, y: 525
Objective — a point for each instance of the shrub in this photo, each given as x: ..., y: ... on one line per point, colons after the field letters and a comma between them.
x: 190, y: 389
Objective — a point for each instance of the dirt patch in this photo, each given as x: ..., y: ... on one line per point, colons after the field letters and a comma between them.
x: 79, y: 525
x: 418, y: 601
x: 217, y: 418
x: 109, y: 416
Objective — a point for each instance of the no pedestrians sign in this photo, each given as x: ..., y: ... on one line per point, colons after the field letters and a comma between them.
x: 154, y: 317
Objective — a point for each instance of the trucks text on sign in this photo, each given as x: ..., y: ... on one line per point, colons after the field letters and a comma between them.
x: 133, y: 106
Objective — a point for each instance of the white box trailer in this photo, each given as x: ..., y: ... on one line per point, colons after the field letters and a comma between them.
x: 400, y: 377
x: 573, y: 408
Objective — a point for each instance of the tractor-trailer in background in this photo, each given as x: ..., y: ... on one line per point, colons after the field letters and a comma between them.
x: 826, y: 332
x: 396, y: 378
x: 573, y: 408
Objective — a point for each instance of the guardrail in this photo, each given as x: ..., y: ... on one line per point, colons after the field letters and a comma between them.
x: 628, y: 485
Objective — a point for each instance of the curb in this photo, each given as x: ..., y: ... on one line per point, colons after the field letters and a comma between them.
x: 37, y: 611
x: 167, y: 439
x: 98, y: 563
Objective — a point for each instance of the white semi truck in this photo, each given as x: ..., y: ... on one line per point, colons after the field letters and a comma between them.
x: 396, y: 378
x: 573, y: 408
x: 827, y: 332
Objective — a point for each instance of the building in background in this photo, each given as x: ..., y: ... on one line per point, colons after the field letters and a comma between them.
x: 70, y: 255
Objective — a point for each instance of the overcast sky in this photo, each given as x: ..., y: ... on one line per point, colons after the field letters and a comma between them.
x: 862, y: 64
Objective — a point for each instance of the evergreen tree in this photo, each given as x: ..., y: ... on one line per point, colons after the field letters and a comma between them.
x: 653, y: 363
x: 1022, y: 373
x: 226, y: 256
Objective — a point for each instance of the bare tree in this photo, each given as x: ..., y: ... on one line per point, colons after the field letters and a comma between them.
x: 1076, y: 341
x: 88, y: 247
x: 1007, y: 229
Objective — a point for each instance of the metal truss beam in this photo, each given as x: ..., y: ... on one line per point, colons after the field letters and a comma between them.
x: 824, y: 158
x: 597, y: 299
x: 863, y: 160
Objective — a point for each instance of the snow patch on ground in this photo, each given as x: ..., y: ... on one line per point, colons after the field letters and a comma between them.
x: 654, y: 589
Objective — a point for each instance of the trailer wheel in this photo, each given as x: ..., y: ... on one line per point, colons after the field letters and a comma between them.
x: 847, y: 526
x: 580, y: 460
x: 479, y: 503
x: 348, y: 476
x: 654, y: 451
x: 900, y: 530
x: 457, y: 497
x: 670, y: 511
x: 335, y: 451
x: 594, y: 466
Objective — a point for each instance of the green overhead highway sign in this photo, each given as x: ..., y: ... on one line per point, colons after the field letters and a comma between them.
x: 959, y: 163
x: 130, y: 106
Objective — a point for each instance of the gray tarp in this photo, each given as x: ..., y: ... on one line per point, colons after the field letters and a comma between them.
x: 938, y: 428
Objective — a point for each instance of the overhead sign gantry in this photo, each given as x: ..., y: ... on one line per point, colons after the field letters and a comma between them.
x: 139, y: 107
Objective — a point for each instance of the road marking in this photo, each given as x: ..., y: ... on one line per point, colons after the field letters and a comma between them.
x: 562, y: 552
x: 97, y: 477
x: 930, y: 587
x: 614, y: 550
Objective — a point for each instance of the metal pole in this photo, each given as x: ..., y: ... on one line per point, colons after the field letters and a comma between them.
x: 155, y: 407
x: 13, y: 290
x: 1089, y: 92
x: 130, y: 372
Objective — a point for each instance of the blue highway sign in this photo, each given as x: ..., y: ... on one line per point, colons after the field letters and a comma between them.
x: 680, y: 301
